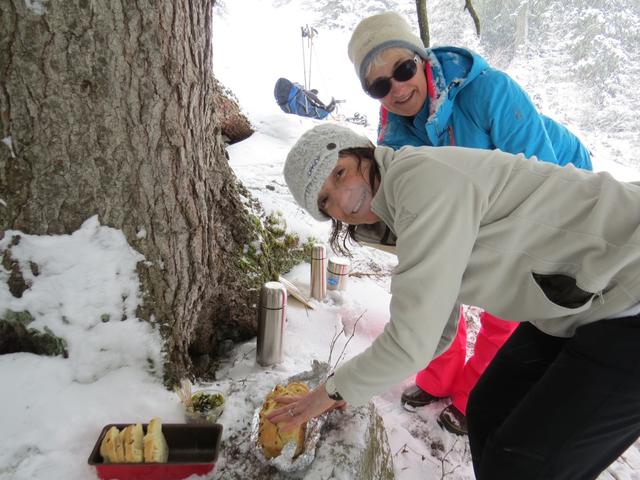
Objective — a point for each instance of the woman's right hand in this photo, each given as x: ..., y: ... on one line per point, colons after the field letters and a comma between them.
x: 298, y: 410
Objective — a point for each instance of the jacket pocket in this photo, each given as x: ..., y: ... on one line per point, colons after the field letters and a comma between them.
x: 562, y: 290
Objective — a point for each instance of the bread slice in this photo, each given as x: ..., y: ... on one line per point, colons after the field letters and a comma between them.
x: 156, y: 449
x: 120, y: 449
x: 108, y: 446
x: 132, y: 443
x: 270, y: 437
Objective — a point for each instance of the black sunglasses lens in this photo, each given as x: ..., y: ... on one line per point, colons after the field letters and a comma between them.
x: 403, y: 72
x: 380, y: 88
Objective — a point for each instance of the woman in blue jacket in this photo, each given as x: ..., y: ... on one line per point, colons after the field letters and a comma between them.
x: 450, y: 96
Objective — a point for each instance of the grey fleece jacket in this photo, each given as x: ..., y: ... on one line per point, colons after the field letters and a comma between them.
x: 526, y: 240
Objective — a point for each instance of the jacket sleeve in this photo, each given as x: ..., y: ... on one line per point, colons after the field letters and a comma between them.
x: 499, y: 106
x: 436, y: 230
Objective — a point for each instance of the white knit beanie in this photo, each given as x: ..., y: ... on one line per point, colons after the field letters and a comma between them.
x: 377, y: 33
x: 312, y: 159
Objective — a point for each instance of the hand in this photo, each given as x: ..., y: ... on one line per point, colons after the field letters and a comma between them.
x: 298, y: 410
x: 340, y: 405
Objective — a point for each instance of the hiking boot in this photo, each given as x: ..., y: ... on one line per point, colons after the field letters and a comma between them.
x: 453, y: 420
x: 414, y: 397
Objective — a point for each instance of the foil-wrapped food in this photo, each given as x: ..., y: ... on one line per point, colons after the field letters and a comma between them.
x: 270, y: 437
x: 287, y: 452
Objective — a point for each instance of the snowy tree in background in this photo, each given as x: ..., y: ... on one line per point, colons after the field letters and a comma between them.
x: 589, y: 47
x: 590, y: 43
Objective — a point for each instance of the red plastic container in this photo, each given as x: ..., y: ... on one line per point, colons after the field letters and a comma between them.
x: 193, y: 449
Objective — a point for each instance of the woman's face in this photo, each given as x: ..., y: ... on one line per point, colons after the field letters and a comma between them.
x: 346, y: 193
x: 404, y: 98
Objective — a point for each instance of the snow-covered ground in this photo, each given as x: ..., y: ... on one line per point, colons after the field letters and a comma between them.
x: 52, y: 409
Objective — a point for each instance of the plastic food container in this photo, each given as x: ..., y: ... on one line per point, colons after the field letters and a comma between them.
x: 207, y: 405
x: 193, y: 449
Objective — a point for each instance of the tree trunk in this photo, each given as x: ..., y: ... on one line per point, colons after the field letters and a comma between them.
x: 522, y: 25
x: 474, y: 16
x: 423, y: 21
x: 106, y: 108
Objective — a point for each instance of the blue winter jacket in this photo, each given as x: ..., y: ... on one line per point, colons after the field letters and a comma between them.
x: 479, y: 106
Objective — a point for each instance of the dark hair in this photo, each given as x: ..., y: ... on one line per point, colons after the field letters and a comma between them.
x: 343, y: 234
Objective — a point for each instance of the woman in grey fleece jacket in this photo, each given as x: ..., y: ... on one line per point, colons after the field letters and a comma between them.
x: 561, y: 400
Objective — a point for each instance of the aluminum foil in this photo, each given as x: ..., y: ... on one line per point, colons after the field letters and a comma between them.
x: 285, y: 461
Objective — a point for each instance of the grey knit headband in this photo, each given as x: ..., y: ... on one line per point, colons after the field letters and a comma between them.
x: 312, y: 159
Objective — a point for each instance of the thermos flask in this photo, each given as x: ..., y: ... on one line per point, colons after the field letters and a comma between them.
x: 318, y: 269
x: 337, y: 273
x: 271, y: 318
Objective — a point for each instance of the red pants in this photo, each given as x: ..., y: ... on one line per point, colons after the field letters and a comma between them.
x: 449, y: 375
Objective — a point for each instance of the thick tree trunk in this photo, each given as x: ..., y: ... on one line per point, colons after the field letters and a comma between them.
x: 106, y: 108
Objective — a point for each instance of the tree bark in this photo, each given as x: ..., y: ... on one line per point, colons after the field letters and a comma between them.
x: 423, y: 21
x: 107, y: 108
x: 522, y: 25
x: 235, y: 126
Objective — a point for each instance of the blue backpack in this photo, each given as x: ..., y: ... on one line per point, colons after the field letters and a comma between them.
x: 293, y: 98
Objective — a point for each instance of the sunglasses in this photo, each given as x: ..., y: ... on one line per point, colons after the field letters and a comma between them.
x: 402, y: 73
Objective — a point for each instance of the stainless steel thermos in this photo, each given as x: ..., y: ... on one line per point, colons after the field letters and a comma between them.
x: 318, y: 268
x: 272, y: 313
x: 337, y: 273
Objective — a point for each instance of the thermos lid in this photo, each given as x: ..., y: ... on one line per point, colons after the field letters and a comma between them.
x: 339, y: 265
x: 273, y: 296
x: 318, y: 252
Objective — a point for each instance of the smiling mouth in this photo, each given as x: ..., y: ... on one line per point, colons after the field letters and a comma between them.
x: 405, y: 100
x: 358, y: 205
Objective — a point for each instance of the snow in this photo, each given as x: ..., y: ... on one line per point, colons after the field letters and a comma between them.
x: 36, y: 6
x: 8, y: 142
x: 86, y: 290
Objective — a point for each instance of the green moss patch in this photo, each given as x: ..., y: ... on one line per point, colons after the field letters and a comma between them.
x: 15, y: 336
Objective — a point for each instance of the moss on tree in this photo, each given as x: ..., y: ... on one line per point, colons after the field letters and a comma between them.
x: 15, y: 336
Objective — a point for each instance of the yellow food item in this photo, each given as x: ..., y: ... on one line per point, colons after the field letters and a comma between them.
x: 109, y: 447
x: 155, y: 445
x: 269, y: 435
x: 132, y: 443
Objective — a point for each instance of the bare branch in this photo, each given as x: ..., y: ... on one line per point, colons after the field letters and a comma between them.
x: 333, y: 343
x: 474, y: 16
x: 344, y: 348
x: 367, y: 274
x: 444, y: 458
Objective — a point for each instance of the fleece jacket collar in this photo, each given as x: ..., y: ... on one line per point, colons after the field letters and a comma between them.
x: 453, y: 69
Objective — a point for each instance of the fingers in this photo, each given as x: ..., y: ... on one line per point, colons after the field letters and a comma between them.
x: 297, y: 410
x: 279, y: 414
x: 286, y: 421
x: 288, y: 418
x: 286, y: 412
x: 341, y: 405
x: 287, y: 400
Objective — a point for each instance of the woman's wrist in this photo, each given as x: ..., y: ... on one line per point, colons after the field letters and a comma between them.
x: 330, y: 388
